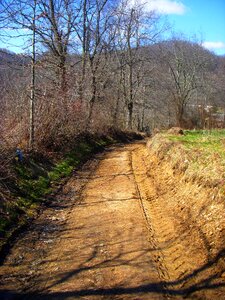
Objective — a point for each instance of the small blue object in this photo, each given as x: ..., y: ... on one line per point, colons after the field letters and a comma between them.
x: 19, y: 155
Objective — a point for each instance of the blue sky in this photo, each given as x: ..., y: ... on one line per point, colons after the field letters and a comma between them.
x: 206, y: 18
x: 203, y: 18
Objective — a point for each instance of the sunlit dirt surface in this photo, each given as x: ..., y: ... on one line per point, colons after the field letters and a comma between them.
x: 118, y: 230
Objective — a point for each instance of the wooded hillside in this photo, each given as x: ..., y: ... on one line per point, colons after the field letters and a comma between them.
x: 91, y: 65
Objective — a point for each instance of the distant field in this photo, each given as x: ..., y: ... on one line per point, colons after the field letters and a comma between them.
x: 208, y: 141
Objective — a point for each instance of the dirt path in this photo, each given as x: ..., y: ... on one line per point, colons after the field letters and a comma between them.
x: 110, y: 234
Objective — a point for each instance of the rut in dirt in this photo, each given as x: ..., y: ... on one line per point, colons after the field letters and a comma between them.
x: 108, y: 235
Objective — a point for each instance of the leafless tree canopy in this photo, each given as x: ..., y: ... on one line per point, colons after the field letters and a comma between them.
x: 91, y: 65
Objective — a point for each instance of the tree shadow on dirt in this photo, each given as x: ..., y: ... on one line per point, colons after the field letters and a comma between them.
x: 202, y: 279
x: 183, y: 287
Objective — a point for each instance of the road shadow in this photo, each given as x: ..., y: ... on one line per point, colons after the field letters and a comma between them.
x: 200, y: 279
x: 160, y: 288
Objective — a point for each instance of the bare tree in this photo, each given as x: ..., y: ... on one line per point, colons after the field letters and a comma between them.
x: 184, y: 64
x: 94, y: 33
x: 135, y: 29
x: 33, y: 75
x: 50, y: 25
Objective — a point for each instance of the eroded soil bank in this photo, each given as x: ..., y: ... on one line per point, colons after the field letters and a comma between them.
x: 126, y: 226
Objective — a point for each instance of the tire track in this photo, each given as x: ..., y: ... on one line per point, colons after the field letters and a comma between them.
x: 158, y: 256
x: 173, y: 261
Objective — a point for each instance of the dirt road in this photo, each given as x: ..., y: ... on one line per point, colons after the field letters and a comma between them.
x: 112, y: 234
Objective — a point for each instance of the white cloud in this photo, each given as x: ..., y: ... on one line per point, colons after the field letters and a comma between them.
x: 214, y: 45
x: 165, y: 7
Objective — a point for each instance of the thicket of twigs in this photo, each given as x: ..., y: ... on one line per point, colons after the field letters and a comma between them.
x: 94, y: 65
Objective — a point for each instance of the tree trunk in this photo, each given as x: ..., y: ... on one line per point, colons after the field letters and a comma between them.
x: 84, y: 51
x: 93, y: 97
x: 32, y: 85
x: 130, y: 115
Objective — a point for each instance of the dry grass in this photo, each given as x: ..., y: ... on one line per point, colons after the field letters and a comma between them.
x: 199, y: 155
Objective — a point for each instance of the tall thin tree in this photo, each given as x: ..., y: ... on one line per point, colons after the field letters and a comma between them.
x: 33, y: 75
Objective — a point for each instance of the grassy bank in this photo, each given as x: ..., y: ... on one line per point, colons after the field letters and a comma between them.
x: 40, y: 175
x: 199, y: 155
x: 209, y: 142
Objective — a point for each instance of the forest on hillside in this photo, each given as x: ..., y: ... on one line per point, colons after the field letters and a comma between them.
x: 94, y: 65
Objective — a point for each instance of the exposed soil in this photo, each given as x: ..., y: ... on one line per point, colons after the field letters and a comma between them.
x: 124, y: 227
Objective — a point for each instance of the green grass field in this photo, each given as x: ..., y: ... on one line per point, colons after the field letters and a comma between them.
x: 200, y: 154
x: 208, y: 142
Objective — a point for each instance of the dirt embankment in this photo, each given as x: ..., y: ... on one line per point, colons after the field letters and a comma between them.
x: 187, y: 211
x: 129, y: 225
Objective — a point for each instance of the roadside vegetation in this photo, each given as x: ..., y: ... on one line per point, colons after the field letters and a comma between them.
x: 208, y: 141
x: 197, y: 154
